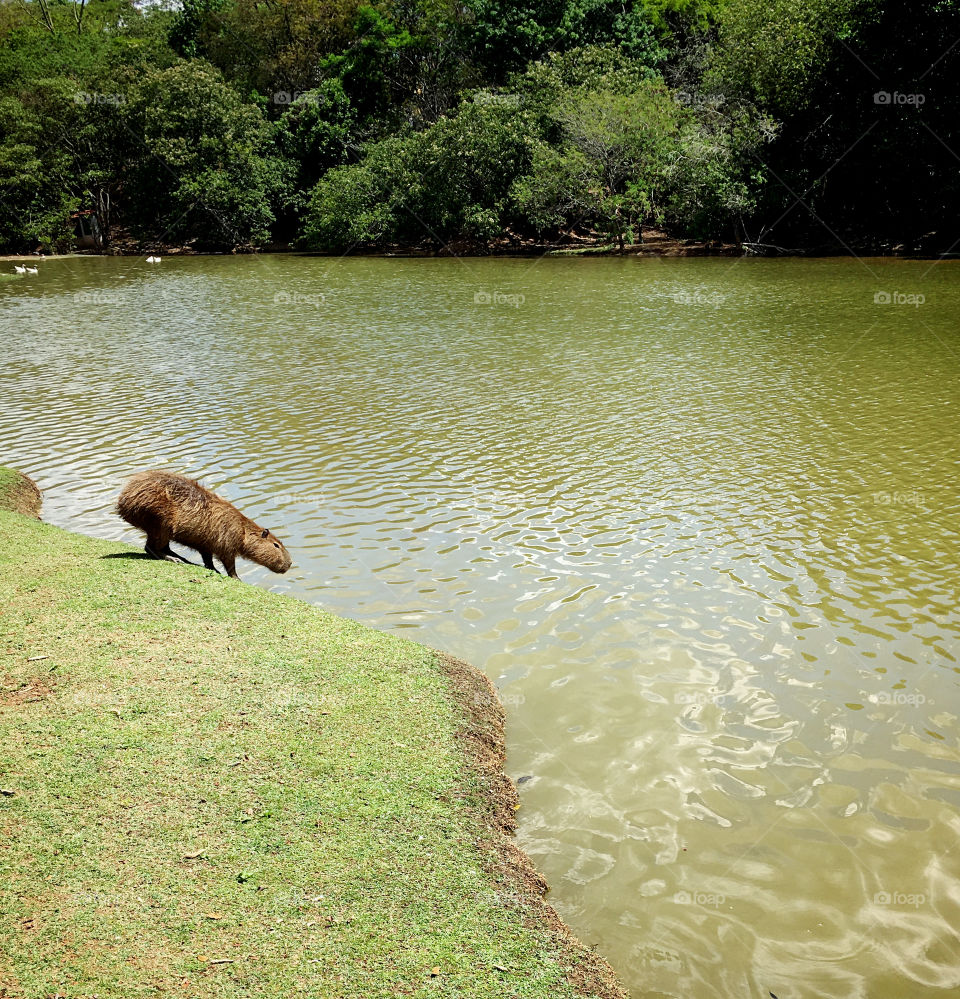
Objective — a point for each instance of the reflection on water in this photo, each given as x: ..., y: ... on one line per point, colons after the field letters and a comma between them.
x: 697, y: 519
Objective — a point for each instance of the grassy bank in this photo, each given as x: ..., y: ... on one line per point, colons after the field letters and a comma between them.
x: 208, y: 789
x: 19, y: 493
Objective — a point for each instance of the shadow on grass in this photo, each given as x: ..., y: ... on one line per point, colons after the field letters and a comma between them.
x: 178, y: 560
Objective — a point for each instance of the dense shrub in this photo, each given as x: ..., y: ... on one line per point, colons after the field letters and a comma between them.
x: 452, y: 180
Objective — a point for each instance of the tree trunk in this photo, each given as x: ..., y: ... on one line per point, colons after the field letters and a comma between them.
x: 101, y: 212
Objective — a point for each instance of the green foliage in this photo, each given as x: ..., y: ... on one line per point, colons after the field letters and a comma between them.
x: 586, y: 139
x: 204, y: 165
x: 720, y: 169
x: 505, y: 35
x: 597, y: 67
x: 769, y: 51
x: 450, y: 181
x: 402, y: 121
x: 672, y: 16
x: 189, y: 23
x: 267, y: 48
x: 358, y: 205
x: 35, y: 212
x: 63, y: 142
x: 367, y: 67
x: 611, y: 167
x: 852, y: 167
x: 313, y: 135
x: 113, y: 35
x: 61, y: 150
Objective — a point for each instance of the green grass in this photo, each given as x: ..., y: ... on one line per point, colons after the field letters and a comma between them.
x: 201, y: 771
x: 9, y: 479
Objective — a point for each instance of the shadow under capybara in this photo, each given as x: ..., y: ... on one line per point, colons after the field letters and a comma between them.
x: 170, y: 507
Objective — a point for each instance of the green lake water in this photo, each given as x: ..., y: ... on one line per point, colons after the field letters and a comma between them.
x: 697, y: 519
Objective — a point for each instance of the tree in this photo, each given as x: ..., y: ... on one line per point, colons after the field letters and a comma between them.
x: 34, y: 207
x: 73, y: 144
x: 315, y: 134
x: 448, y: 182
x: 865, y: 93
x: 204, y: 166
x: 610, y: 168
x: 269, y: 47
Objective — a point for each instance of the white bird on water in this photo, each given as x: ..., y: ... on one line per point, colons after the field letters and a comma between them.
x: 32, y: 270
x: 153, y: 260
x: 19, y: 269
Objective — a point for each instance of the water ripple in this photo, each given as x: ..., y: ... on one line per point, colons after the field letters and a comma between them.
x: 709, y: 554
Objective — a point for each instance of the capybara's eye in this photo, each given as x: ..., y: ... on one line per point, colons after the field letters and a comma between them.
x: 275, y: 545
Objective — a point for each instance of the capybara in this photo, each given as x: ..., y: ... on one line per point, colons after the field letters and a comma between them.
x: 170, y: 507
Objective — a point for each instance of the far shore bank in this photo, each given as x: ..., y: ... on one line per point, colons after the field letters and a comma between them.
x: 655, y: 243
x: 635, y: 250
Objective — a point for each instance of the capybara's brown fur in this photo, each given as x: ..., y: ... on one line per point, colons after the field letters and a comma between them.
x: 170, y: 507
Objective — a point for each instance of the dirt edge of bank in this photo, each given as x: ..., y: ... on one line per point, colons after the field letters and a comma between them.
x: 481, y: 739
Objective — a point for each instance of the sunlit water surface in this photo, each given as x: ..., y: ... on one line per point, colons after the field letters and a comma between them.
x: 698, y: 520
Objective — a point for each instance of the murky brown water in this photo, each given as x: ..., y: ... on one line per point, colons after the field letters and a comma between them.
x: 697, y: 519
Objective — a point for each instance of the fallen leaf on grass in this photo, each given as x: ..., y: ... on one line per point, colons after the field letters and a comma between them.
x: 500, y: 967
x: 435, y: 971
x: 213, y: 915
x: 7, y: 792
x: 223, y: 960
x: 193, y: 856
x: 33, y: 659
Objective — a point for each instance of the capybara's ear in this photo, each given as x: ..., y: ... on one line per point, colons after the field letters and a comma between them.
x: 264, y: 533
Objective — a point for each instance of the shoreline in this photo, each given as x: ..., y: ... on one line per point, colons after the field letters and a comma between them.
x: 655, y: 243
x: 482, y: 802
x: 482, y: 740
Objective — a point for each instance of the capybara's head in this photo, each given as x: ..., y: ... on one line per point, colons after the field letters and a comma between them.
x: 263, y: 547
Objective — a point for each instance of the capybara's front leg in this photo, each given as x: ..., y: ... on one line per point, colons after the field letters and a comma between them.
x: 230, y: 564
x: 208, y: 560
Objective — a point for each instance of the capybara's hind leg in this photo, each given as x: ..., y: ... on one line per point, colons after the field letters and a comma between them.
x: 167, y: 556
x: 177, y: 557
x: 158, y: 545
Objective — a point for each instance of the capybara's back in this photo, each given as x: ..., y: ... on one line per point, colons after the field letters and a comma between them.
x: 170, y: 507
x: 152, y: 497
